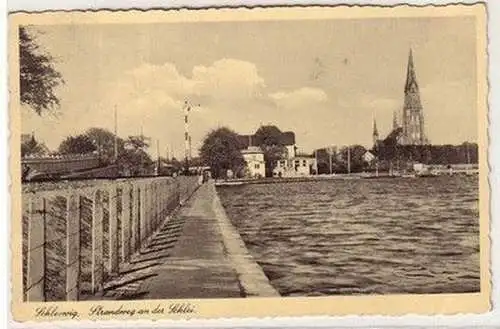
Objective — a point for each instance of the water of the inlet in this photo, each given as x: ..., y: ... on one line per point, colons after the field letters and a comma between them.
x: 383, y: 236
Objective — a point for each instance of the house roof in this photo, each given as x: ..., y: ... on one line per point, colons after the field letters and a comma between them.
x: 287, y: 138
x: 252, y: 149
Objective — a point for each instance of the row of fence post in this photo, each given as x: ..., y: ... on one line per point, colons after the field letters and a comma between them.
x: 144, y: 206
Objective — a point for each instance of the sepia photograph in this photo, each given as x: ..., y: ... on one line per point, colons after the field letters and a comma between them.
x: 290, y: 154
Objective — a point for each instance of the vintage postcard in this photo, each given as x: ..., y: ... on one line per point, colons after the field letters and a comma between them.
x: 217, y: 163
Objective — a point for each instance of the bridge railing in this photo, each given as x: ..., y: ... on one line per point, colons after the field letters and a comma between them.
x: 76, y: 236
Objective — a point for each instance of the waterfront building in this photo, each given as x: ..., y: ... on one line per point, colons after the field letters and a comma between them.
x: 298, y: 166
x: 255, y: 164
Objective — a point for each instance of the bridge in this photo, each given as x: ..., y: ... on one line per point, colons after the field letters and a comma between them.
x: 134, y: 238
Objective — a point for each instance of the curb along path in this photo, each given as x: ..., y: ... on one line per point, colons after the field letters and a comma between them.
x: 196, y: 254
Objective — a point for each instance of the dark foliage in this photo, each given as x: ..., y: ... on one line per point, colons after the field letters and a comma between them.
x: 221, y: 151
x: 80, y: 144
x: 38, y: 77
x: 428, y: 154
x: 134, y: 159
x: 104, y: 142
x: 270, y: 140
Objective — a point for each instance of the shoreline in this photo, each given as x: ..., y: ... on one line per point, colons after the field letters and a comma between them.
x: 316, y: 178
x: 251, y: 276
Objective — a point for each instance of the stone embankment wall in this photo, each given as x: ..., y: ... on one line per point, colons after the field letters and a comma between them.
x: 252, y: 279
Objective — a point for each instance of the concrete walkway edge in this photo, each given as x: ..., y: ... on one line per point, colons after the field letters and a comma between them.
x: 251, y: 276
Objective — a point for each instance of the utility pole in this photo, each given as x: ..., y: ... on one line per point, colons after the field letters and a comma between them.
x: 116, y: 136
x: 330, y: 153
x: 187, y: 108
x: 316, y: 161
x: 190, y: 151
x: 348, y: 159
x: 158, y: 155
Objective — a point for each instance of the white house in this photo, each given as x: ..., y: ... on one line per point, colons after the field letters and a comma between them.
x: 295, y: 167
x: 368, y: 157
x: 255, y: 165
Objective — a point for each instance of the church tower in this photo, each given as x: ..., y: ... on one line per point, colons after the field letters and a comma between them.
x: 413, y: 117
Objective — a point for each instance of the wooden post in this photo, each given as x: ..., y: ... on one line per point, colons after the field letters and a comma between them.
x: 156, y: 199
x: 143, y: 214
x: 72, y: 247
x: 161, y: 200
x: 97, y: 242
x: 113, y: 231
x: 153, y: 208
x: 163, y: 196
x: 149, y: 212
x: 135, y: 238
x: 125, y: 223
x: 36, y: 251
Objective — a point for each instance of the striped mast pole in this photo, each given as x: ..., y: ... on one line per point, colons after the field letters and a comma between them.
x: 187, y: 137
x: 187, y: 108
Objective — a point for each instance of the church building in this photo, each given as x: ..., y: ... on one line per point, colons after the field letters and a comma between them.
x: 412, y: 129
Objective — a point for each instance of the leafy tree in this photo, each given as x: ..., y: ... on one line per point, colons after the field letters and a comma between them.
x: 221, y: 151
x: 38, y: 77
x: 33, y: 147
x: 80, y: 144
x: 323, y: 158
x: 134, y: 159
x: 104, y: 140
x: 269, y: 138
x: 357, y: 161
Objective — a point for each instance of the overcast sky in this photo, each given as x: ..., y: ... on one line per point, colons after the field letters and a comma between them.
x: 325, y: 80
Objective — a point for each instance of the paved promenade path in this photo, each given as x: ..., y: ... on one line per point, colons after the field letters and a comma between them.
x: 195, y: 254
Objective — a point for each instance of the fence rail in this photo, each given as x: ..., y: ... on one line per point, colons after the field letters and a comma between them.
x: 75, y: 238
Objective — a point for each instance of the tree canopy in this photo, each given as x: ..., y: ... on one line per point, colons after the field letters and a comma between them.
x: 80, y: 144
x: 269, y: 139
x: 38, y: 76
x: 221, y: 151
x: 104, y: 140
x: 133, y: 159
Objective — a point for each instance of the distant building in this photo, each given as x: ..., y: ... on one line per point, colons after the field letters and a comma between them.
x: 255, y: 164
x: 368, y: 157
x: 290, y: 165
x: 295, y: 167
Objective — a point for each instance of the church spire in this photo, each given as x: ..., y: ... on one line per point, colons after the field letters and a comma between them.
x: 375, y: 132
x: 411, y: 77
x: 413, y: 116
